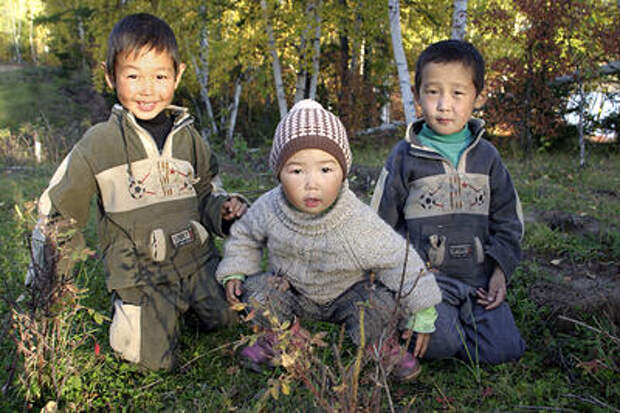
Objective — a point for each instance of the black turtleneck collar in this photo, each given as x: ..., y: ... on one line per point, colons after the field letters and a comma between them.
x: 159, y: 127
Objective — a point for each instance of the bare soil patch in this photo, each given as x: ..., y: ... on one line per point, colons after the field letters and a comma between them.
x: 572, y: 289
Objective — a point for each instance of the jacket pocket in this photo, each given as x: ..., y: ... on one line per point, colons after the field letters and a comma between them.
x: 455, y: 250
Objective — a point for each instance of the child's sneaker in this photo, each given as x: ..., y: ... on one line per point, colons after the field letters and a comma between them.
x: 404, y: 366
x: 407, y: 367
x: 259, y: 355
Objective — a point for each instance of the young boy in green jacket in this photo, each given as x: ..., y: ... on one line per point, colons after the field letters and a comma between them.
x: 159, y: 201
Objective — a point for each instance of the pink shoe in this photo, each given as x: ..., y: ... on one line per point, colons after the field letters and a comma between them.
x: 404, y: 366
x: 259, y: 355
x: 407, y: 367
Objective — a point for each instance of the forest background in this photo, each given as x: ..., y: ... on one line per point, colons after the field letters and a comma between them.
x: 552, y: 87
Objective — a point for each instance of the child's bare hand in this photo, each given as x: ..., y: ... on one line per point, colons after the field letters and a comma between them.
x: 233, y: 291
x: 233, y: 208
x: 421, y: 342
x: 497, y: 291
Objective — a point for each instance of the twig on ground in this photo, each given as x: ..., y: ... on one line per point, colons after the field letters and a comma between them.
x: 592, y: 400
x: 545, y: 408
x: 443, y: 395
x: 148, y: 386
x: 589, y: 327
x: 183, y: 368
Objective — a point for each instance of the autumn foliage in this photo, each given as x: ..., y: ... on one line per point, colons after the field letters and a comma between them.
x: 562, y: 39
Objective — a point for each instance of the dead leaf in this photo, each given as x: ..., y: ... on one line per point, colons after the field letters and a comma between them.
x: 287, y: 360
x: 239, y: 307
x: 286, y: 389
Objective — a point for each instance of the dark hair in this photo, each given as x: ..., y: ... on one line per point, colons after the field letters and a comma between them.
x: 133, y: 32
x: 449, y: 51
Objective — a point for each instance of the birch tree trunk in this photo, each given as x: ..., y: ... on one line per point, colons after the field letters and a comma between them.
x: 82, y: 37
x: 582, y: 103
x: 401, y: 61
x: 230, y: 136
x: 31, y: 41
x: 277, y: 70
x: 316, y: 42
x: 16, y: 29
x: 302, y: 73
x: 459, y: 20
x: 202, y: 74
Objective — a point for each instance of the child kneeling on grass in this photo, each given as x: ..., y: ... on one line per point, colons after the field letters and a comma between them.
x: 447, y: 188
x: 159, y: 201
x: 323, y: 243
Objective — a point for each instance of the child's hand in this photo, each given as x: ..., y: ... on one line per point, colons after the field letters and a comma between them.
x: 233, y: 208
x: 497, y: 291
x: 421, y: 342
x: 233, y: 291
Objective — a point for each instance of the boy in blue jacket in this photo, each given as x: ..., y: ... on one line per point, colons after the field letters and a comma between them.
x: 446, y: 188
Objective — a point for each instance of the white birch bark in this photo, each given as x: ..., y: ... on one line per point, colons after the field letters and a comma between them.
x: 316, y: 42
x: 31, y: 40
x: 401, y: 61
x: 233, y: 115
x: 302, y: 73
x: 277, y: 70
x: 202, y: 74
x: 582, y: 103
x: 459, y: 20
x: 16, y: 29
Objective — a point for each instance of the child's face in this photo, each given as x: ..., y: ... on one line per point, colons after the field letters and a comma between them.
x: 311, y: 179
x: 448, y: 96
x: 145, y: 81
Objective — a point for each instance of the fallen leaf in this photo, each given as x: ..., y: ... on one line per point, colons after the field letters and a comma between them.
x: 239, y: 307
x: 286, y: 389
x: 287, y: 360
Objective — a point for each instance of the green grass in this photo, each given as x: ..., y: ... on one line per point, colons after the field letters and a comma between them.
x: 552, y: 374
x: 29, y: 94
x: 572, y: 369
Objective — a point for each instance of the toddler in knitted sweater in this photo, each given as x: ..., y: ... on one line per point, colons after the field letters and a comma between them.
x: 323, y: 243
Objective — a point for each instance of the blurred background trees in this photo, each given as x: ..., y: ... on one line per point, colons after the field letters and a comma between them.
x: 249, y: 61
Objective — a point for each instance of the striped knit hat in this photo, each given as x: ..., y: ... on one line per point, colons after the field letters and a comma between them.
x: 308, y: 125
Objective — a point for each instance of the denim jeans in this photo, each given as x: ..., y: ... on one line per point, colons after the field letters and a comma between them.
x: 466, y: 330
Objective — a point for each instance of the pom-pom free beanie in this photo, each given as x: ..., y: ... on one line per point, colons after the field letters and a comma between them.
x: 309, y: 125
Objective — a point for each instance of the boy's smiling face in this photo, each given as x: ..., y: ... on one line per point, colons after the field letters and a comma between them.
x: 448, y: 96
x: 311, y: 179
x: 145, y: 81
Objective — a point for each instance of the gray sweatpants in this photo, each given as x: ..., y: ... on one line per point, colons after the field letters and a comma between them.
x: 276, y: 294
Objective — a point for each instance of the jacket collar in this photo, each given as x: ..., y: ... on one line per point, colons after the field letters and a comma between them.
x: 475, y: 125
x: 124, y: 117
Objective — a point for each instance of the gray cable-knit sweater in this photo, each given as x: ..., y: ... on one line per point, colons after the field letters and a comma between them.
x: 322, y: 256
